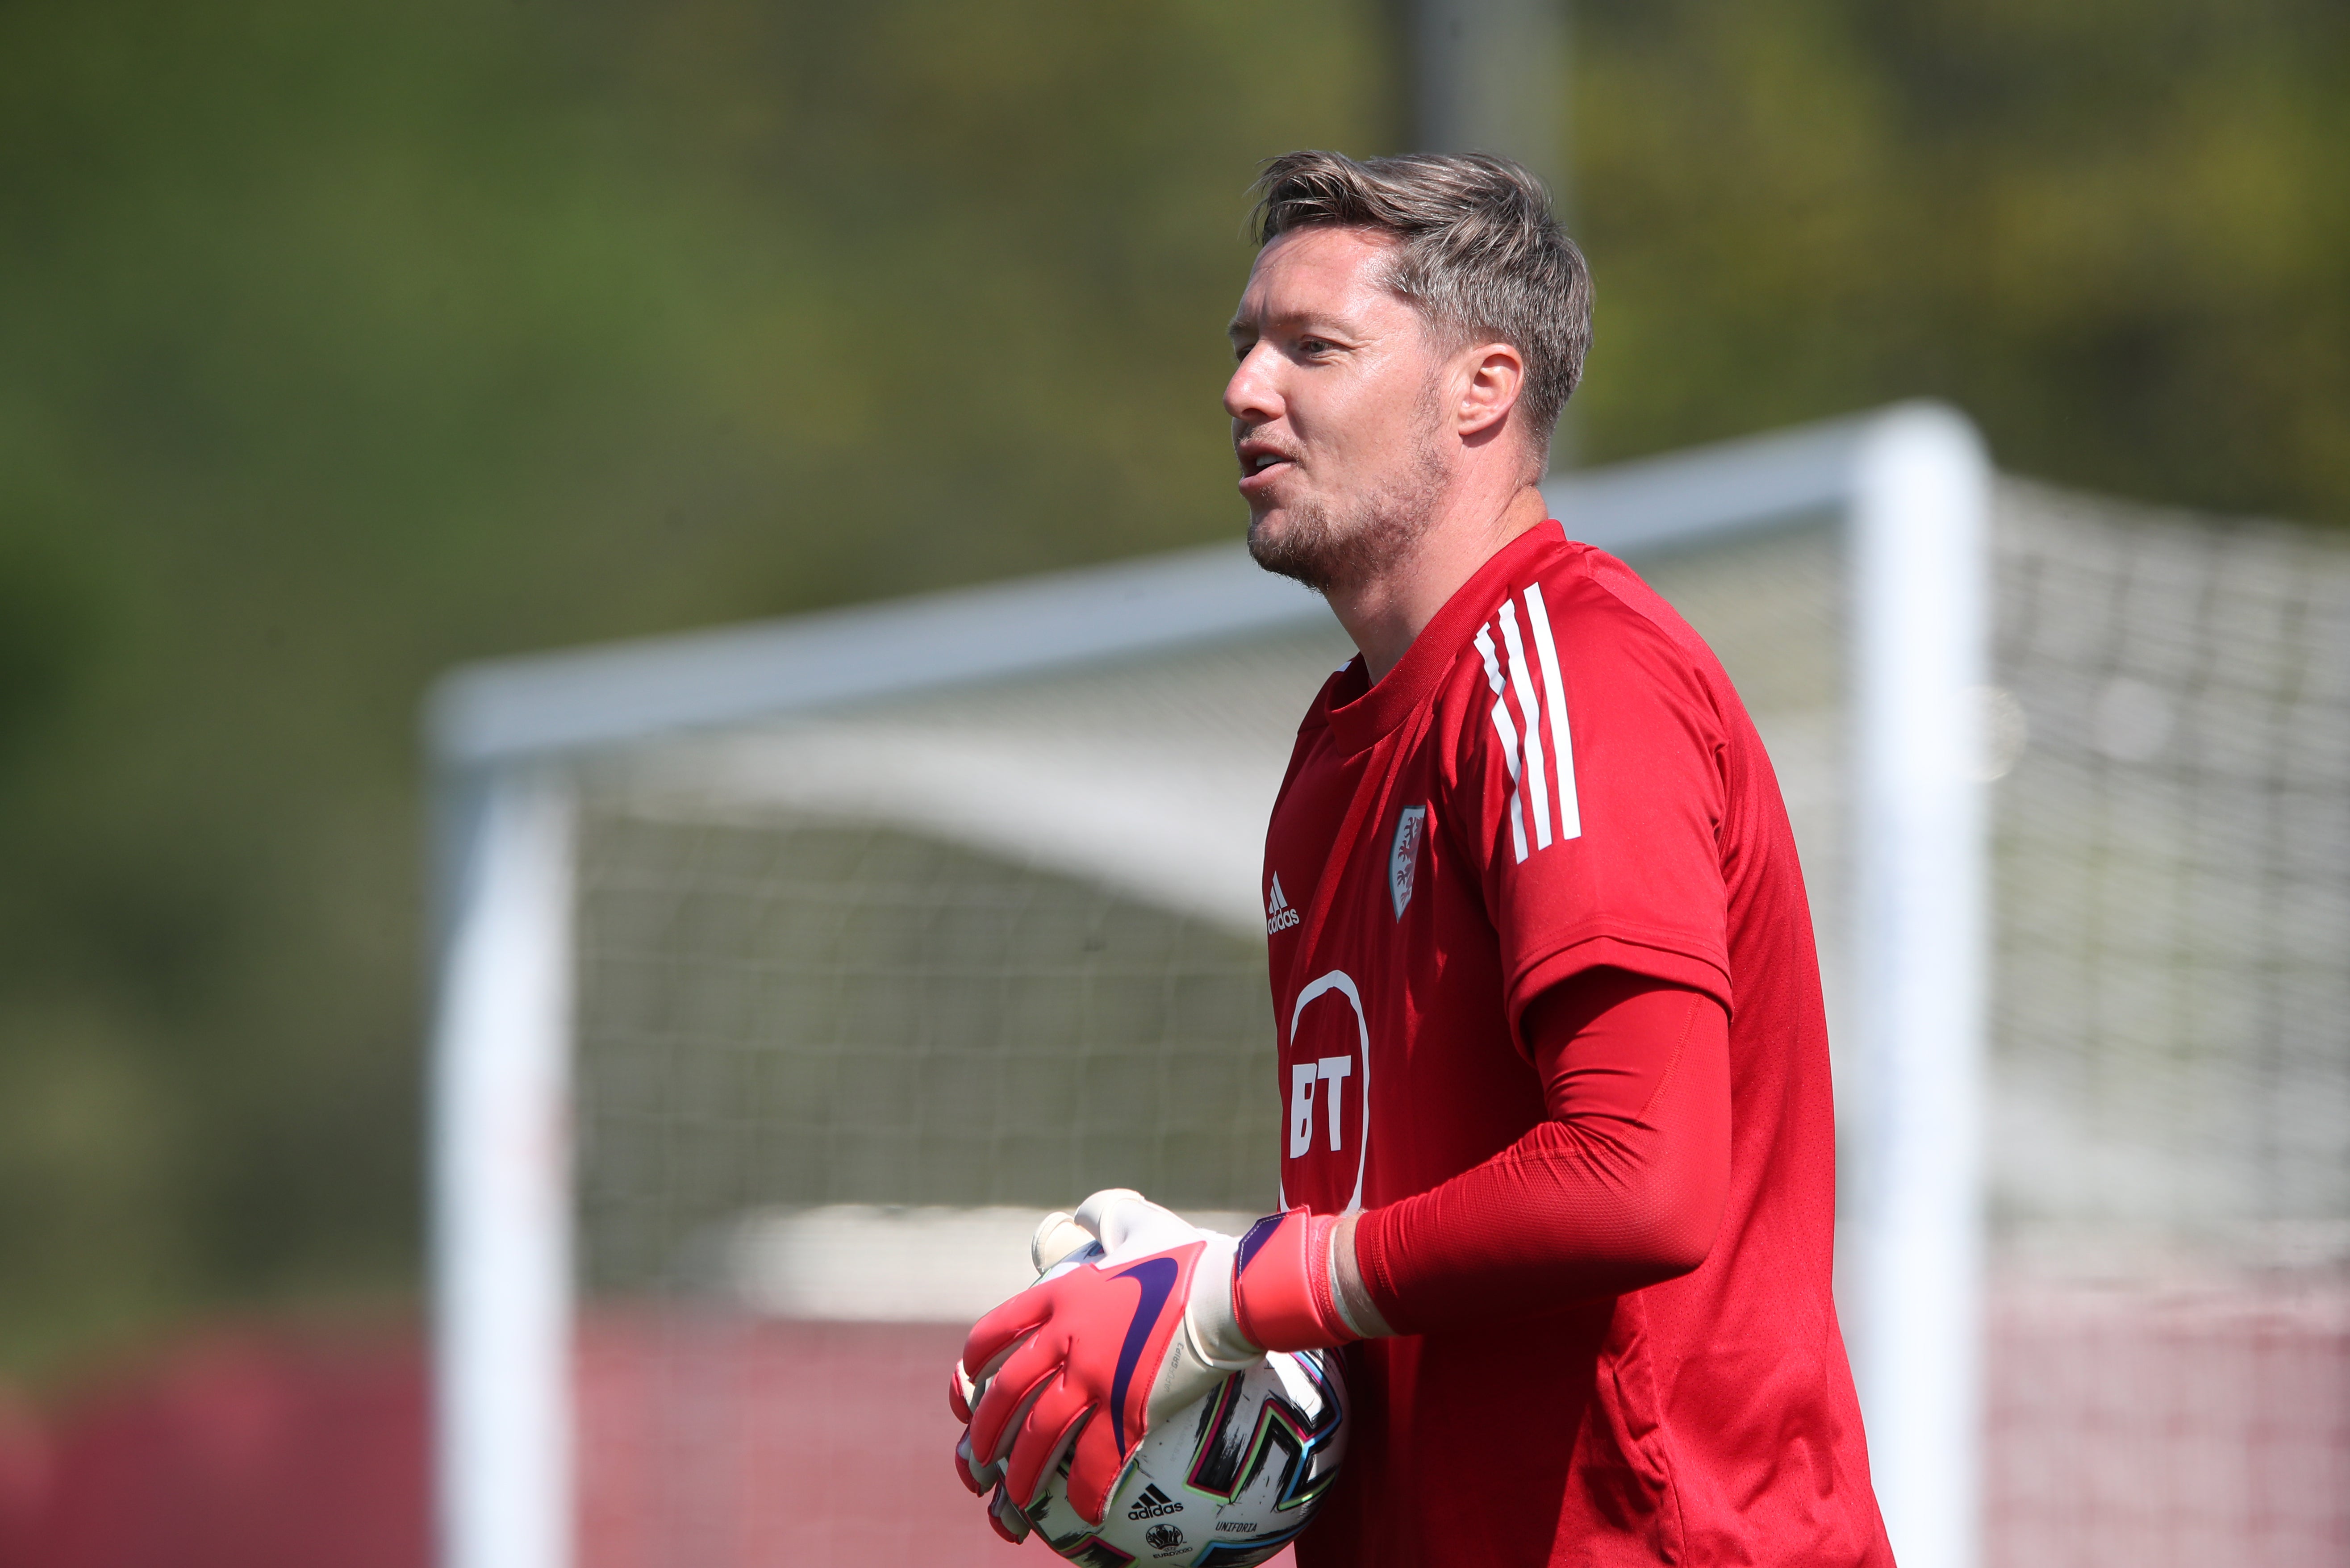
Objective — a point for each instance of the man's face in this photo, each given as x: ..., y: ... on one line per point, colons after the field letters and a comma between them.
x: 1336, y: 407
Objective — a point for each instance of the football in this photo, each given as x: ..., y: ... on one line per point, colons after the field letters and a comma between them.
x: 1224, y: 1484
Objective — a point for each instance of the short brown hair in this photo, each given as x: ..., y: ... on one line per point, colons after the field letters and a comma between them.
x: 1479, y: 253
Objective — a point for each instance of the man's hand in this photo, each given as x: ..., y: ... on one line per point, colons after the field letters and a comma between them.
x: 1059, y: 1245
x: 1098, y: 1352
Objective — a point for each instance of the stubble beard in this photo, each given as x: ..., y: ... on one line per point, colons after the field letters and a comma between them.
x: 1325, y: 548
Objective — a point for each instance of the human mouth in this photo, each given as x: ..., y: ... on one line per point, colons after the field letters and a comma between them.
x: 1260, y: 465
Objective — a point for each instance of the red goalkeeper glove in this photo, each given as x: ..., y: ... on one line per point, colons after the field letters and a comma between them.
x: 1098, y: 1352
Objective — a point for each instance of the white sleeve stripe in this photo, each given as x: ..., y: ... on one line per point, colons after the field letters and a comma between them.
x: 1510, y: 750
x: 1504, y: 727
x: 1522, y: 675
x: 1562, y: 740
x: 1493, y: 665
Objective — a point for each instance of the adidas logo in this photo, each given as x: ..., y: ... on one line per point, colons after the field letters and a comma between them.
x: 1279, y: 916
x: 1152, y: 1503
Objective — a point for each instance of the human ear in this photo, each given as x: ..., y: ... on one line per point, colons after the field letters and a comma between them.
x: 1496, y: 374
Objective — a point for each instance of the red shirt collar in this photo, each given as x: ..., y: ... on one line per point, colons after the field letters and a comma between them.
x: 1359, y: 718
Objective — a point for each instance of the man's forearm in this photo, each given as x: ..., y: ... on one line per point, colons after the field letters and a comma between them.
x: 1612, y: 1194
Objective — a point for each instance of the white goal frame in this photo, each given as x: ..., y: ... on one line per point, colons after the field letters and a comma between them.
x: 1913, y: 486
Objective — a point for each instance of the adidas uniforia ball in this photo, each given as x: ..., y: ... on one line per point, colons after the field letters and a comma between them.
x: 1224, y: 1484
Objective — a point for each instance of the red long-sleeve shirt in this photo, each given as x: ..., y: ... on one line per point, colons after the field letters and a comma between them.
x: 1610, y: 1258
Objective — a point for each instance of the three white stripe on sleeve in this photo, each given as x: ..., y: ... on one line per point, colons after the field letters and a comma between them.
x: 1530, y: 760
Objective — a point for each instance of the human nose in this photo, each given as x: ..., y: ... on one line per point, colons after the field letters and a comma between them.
x: 1251, y: 394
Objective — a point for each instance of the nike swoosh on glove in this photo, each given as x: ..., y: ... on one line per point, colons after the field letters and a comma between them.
x: 1100, y: 1352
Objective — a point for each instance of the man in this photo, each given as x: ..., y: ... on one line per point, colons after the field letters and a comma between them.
x: 1559, y: 1153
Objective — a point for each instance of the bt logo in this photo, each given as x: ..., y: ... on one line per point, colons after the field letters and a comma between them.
x: 1328, y: 1038
x: 1303, y: 1075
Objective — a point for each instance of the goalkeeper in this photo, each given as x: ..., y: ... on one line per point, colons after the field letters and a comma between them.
x: 1558, y: 1160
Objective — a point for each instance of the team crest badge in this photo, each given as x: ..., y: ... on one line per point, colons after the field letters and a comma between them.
x: 1403, y: 859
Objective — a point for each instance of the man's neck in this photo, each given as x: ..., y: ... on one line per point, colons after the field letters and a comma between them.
x: 1386, y: 612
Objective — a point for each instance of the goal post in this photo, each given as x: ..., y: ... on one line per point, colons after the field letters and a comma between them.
x: 1901, y: 499
x: 1920, y: 642
x: 500, y: 1168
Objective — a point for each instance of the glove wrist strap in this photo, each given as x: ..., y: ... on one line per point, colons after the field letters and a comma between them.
x: 1284, y: 1292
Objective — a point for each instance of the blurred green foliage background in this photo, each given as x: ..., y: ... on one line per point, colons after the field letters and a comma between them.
x: 339, y: 343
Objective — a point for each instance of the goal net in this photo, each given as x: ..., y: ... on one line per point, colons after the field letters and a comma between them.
x: 2171, y: 1128
x: 790, y: 974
